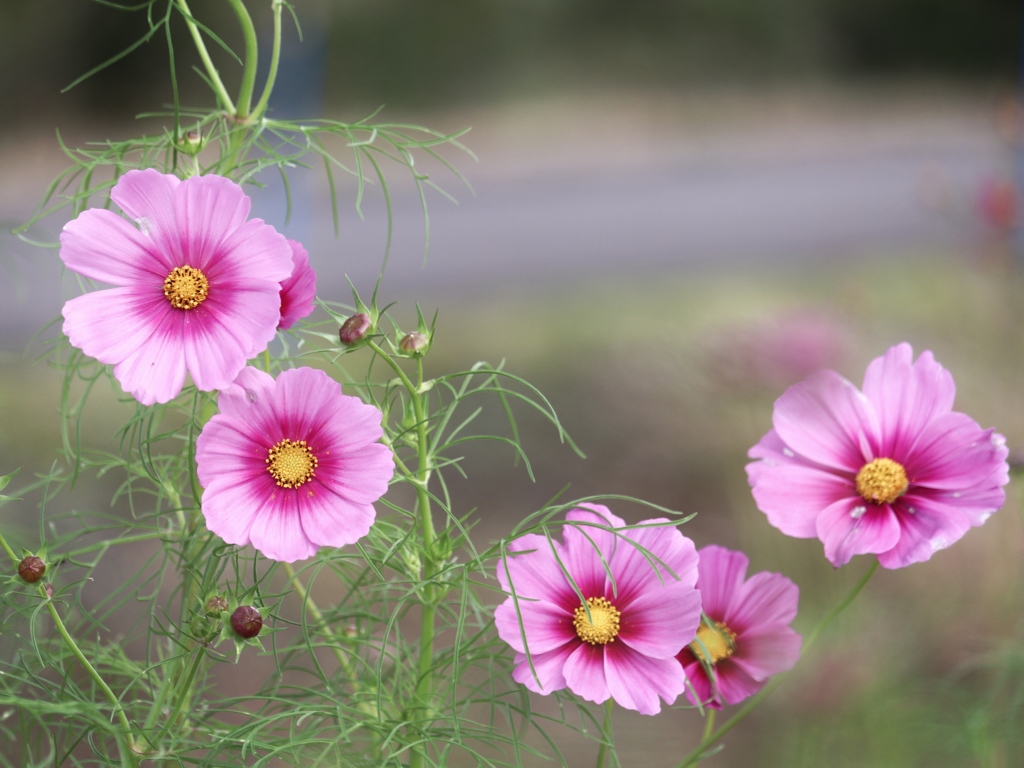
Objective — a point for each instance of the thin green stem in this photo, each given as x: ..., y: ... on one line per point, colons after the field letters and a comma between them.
x: 127, y: 748
x: 275, y: 59
x: 10, y: 552
x: 606, y: 735
x: 245, y: 91
x: 709, y: 723
x: 311, y: 606
x: 211, y: 70
x: 184, y: 693
x: 709, y: 740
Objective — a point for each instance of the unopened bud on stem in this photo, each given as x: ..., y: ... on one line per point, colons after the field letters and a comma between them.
x: 31, y: 569
x: 355, y: 328
x: 414, y: 343
x: 246, y: 621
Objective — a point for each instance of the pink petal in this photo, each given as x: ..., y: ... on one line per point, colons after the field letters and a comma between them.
x: 766, y: 651
x: 588, y: 549
x: 952, y: 452
x: 359, y: 475
x: 149, y: 197
x: 698, y: 687
x: 548, y: 668
x: 828, y: 421
x: 722, y: 572
x: 253, y: 251
x: 536, y: 573
x: 735, y: 685
x: 662, y: 620
x: 276, y: 531
x: 584, y: 673
x: 637, y: 682
x: 210, y: 210
x: 109, y: 325
x: 926, y: 526
x: 244, y: 309
x: 214, y: 352
x: 852, y: 527
x: 102, y: 246
x: 766, y: 598
x: 546, y: 626
x: 661, y: 555
x: 303, y: 398
x: 330, y: 520
x: 251, y: 390
x: 155, y: 372
x: 793, y: 496
x: 298, y: 292
x: 906, y: 396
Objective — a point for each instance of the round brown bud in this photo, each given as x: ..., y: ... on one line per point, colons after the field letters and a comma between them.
x: 246, y: 621
x: 215, y: 604
x: 355, y: 328
x: 413, y: 343
x: 31, y: 569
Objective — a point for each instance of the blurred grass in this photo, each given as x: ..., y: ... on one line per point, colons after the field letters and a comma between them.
x: 926, y: 669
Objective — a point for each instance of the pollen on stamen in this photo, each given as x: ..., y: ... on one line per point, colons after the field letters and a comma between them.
x: 716, y: 642
x: 186, y: 287
x: 291, y: 463
x: 882, y: 481
x: 601, y: 626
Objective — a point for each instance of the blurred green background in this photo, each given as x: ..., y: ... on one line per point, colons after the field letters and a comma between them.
x: 664, y: 376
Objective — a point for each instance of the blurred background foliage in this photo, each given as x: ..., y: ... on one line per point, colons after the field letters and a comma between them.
x: 411, y: 54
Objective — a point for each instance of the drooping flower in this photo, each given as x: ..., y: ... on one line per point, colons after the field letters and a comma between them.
x: 197, y: 285
x: 637, y: 615
x: 298, y: 292
x: 745, y: 634
x: 891, y: 471
x: 291, y: 465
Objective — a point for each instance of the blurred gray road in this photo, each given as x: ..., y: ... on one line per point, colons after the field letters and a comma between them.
x: 532, y: 226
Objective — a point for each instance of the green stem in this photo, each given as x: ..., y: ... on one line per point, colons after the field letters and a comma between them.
x: 275, y: 58
x: 425, y: 681
x: 10, y: 552
x: 709, y: 740
x: 250, y: 59
x: 211, y: 70
x: 127, y: 748
x: 311, y: 606
x: 184, y: 694
x: 606, y: 735
x: 125, y: 744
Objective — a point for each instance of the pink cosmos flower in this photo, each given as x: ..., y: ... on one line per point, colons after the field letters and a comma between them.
x: 291, y: 465
x: 299, y: 290
x: 745, y: 634
x: 891, y: 471
x: 638, y: 614
x: 197, y: 285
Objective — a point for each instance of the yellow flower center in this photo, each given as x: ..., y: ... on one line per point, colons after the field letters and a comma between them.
x: 882, y: 481
x: 186, y: 287
x: 601, y: 626
x: 715, y: 639
x: 291, y: 464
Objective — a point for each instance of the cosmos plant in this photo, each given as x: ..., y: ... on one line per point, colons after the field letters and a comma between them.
x: 287, y: 574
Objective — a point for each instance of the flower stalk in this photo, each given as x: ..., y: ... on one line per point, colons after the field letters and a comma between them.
x: 124, y: 736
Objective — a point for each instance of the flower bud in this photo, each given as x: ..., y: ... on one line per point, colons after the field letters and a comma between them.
x: 31, y: 569
x: 202, y: 628
x: 215, y: 604
x: 191, y: 142
x: 355, y: 328
x: 414, y: 343
x: 246, y: 621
